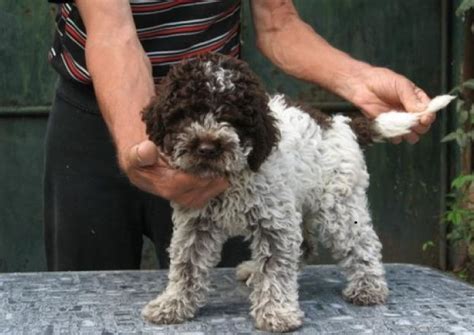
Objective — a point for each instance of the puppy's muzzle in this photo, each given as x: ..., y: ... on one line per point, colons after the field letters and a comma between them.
x: 209, y: 149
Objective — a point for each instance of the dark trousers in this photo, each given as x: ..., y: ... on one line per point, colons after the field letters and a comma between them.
x: 94, y: 218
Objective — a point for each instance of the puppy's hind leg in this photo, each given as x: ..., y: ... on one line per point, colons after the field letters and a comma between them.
x: 195, y: 248
x: 345, y: 227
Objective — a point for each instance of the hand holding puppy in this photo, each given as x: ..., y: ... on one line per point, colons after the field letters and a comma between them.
x: 149, y: 170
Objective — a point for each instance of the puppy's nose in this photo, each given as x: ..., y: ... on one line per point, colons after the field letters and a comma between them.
x: 208, y: 149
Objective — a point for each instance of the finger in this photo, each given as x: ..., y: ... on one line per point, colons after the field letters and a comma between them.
x: 188, y: 183
x: 428, y: 119
x: 176, y: 185
x: 163, y: 163
x: 396, y: 140
x: 214, y: 189
x: 411, y: 138
x: 162, y: 157
x: 202, y: 197
x: 198, y: 203
x: 421, y: 129
x: 161, y: 179
x: 189, y: 201
x: 143, y: 154
x: 207, y: 188
x: 192, y: 199
x: 141, y: 179
x: 422, y: 96
x: 182, y: 187
x: 411, y: 97
x: 218, y: 186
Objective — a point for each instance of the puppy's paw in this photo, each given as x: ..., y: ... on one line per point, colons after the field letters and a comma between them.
x: 279, y: 321
x: 167, y: 310
x: 244, y: 271
x: 366, y: 291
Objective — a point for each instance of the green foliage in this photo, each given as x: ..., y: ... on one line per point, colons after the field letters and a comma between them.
x: 460, y: 181
x: 463, y: 274
x: 460, y: 218
x: 464, y: 7
x: 427, y: 245
x: 467, y: 84
x: 465, y: 113
x: 460, y: 215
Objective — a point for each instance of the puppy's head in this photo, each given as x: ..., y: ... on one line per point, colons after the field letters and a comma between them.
x: 211, y: 117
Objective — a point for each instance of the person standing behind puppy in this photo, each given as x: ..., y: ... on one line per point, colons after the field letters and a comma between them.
x: 105, y: 184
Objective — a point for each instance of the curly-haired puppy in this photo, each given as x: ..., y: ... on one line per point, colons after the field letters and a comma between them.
x: 297, y: 176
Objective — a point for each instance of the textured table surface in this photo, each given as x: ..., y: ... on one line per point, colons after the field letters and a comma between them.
x: 421, y: 300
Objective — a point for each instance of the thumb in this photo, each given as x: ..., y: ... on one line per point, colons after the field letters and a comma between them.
x: 143, y: 154
x: 413, y: 98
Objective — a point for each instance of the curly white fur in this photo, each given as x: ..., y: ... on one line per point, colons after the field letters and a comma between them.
x: 312, y: 187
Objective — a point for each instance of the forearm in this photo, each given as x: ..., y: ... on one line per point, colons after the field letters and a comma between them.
x: 298, y: 50
x: 120, y: 71
x: 123, y: 85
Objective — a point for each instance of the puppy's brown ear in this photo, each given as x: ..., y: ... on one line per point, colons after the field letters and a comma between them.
x: 153, y: 114
x: 265, y: 136
x: 255, y: 120
x: 154, y: 125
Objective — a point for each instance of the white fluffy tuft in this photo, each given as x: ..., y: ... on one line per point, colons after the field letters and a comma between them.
x: 438, y: 103
x: 277, y: 102
x: 393, y: 123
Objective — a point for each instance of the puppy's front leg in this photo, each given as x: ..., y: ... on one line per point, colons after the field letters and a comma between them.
x: 195, y: 248
x: 276, y: 249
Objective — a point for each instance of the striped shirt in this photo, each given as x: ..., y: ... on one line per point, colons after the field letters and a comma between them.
x: 169, y: 30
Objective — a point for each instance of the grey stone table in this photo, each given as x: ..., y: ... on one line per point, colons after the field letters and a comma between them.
x: 422, y: 300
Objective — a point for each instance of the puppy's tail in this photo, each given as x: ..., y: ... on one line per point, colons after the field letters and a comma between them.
x: 392, y: 124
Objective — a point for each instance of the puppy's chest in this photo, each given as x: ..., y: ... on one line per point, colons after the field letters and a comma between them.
x: 237, y: 208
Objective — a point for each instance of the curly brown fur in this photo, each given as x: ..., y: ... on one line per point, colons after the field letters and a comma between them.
x: 190, y: 91
x: 364, y: 130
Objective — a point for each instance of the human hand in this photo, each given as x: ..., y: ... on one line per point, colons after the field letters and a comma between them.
x: 148, y: 170
x: 376, y: 90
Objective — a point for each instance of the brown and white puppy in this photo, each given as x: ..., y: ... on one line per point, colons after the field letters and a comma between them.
x: 296, y: 177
